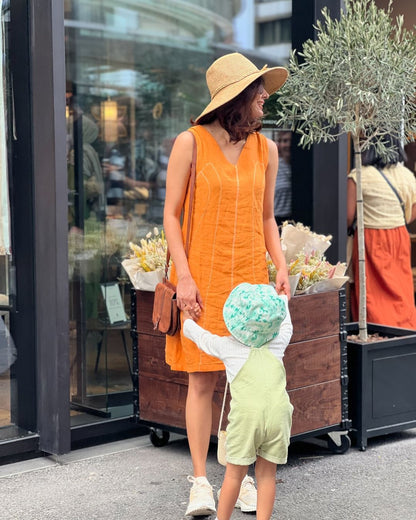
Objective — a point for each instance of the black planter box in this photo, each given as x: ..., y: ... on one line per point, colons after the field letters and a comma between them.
x: 382, y: 382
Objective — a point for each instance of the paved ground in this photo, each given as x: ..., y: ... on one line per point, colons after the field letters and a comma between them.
x: 131, y: 479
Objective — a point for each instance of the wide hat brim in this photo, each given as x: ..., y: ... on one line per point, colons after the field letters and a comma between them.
x: 274, y: 79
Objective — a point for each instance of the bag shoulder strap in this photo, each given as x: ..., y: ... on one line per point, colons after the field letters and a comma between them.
x: 223, y: 406
x: 402, y: 205
x: 191, y: 195
x: 192, y: 178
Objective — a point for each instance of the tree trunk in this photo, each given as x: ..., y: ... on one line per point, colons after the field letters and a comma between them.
x: 362, y: 307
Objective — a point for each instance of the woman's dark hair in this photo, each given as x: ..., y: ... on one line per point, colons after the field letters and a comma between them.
x: 235, y: 116
x: 371, y: 157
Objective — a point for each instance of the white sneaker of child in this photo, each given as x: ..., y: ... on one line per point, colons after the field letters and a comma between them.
x: 247, y: 498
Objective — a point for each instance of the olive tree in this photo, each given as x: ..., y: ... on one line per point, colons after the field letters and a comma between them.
x: 358, y: 77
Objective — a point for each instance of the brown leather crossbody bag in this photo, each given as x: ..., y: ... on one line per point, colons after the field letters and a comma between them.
x: 166, y: 315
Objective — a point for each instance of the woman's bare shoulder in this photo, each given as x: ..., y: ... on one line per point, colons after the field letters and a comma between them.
x: 272, y: 147
x: 183, y: 144
x: 184, y: 138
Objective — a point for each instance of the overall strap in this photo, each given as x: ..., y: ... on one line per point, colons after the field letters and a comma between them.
x: 222, y: 408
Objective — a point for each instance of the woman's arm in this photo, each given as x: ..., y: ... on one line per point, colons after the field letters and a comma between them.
x: 271, y: 231
x: 351, y: 201
x: 177, y: 177
x: 279, y: 344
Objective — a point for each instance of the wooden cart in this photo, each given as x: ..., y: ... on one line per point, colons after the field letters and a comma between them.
x: 315, y: 362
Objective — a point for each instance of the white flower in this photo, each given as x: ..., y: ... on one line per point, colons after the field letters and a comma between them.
x: 151, y: 253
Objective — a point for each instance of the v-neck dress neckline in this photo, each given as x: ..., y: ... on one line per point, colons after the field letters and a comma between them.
x: 221, y: 150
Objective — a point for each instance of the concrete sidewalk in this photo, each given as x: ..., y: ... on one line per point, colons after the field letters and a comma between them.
x: 133, y: 480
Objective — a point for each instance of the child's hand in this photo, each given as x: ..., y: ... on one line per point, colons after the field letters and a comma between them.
x: 192, y: 313
x: 186, y: 315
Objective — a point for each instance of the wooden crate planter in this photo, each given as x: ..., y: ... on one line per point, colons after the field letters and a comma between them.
x: 382, y: 384
x: 315, y: 363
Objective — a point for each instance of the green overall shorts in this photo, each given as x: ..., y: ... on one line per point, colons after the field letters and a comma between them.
x: 260, y: 415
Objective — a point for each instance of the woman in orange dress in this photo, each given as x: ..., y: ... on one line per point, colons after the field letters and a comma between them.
x: 389, y: 278
x: 232, y: 227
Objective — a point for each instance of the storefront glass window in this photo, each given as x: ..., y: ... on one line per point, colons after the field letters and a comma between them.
x: 7, y: 348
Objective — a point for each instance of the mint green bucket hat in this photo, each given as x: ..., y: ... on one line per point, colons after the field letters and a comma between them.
x: 253, y: 313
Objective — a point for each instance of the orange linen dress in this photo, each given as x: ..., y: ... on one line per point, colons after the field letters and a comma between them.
x: 227, y: 243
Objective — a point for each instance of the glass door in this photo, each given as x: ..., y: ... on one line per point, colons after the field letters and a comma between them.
x: 8, y: 352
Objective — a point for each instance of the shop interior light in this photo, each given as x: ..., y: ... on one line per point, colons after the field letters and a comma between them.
x: 109, y: 120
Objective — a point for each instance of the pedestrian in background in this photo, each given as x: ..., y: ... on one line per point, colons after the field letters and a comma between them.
x: 283, y: 189
x: 389, y: 199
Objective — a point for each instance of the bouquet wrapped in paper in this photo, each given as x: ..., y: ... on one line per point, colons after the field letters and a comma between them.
x: 309, y: 271
x: 146, y: 265
x: 297, y: 237
x: 316, y: 274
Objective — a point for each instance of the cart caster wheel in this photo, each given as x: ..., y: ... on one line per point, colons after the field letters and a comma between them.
x: 159, y: 438
x: 340, y: 445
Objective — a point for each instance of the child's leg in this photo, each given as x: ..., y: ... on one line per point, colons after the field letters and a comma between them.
x: 266, y: 488
x: 230, y: 489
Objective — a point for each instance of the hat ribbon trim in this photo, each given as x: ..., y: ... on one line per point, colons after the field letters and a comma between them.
x: 237, y: 81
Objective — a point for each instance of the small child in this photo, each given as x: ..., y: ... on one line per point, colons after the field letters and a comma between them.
x: 260, y: 415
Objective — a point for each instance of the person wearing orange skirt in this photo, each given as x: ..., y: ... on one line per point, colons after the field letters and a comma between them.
x: 232, y: 228
x: 389, y: 279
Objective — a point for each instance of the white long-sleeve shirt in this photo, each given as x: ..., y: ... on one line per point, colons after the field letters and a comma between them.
x: 232, y: 352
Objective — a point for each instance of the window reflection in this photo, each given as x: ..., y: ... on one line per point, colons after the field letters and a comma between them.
x: 134, y: 79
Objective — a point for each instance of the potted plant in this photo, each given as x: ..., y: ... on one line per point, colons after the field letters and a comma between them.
x: 359, y: 77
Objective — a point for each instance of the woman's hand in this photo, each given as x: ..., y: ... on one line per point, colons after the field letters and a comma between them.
x: 282, y: 282
x: 188, y: 297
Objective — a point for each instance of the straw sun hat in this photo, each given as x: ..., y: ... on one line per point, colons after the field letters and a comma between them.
x: 253, y: 313
x: 229, y: 75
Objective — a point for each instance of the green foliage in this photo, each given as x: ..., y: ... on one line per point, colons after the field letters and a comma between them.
x: 359, y: 76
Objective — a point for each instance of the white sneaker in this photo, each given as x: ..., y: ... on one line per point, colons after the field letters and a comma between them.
x: 247, y: 499
x: 201, y: 499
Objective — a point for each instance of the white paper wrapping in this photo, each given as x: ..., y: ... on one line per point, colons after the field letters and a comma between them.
x: 141, y: 280
x: 331, y: 284
x: 295, y: 240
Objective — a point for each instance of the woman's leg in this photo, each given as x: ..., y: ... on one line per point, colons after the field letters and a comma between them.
x: 199, y: 417
x: 230, y: 490
x: 266, y: 488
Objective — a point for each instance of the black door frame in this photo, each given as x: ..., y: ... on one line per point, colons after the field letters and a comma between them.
x: 51, y: 223
x: 39, y: 209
